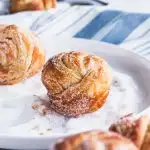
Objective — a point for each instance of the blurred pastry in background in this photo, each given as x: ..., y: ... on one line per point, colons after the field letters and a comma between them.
x: 29, y: 5
x: 136, y: 130
x: 21, y: 54
x: 146, y: 143
x: 77, y: 82
x: 126, y: 134
x: 132, y: 129
x: 95, y: 140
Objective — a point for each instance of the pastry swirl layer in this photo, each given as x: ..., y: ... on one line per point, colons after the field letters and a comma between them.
x: 76, y: 82
x: 21, y: 54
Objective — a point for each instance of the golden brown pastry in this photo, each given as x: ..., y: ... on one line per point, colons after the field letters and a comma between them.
x: 132, y: 129
x: 49, y: 4
x: 23, y: 5
x: 146, y: 143
x: 95, y: 140
x: 77, y: 83
x: 21, y: 55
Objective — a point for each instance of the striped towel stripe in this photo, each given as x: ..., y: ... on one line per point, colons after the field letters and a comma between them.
x: 124, y: 27
x: 125, y: 24
x: 96, y: 24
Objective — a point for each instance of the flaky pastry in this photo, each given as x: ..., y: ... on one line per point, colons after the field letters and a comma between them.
x: 95, y: 140
x: 77, y: 83
x: 146, y: 143
x: 23, y: 5
x: 133, y: 129
x: 21, y: 55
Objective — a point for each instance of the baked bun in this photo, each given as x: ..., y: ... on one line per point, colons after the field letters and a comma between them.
x: 146, y: 143
x: 23, y: 5
x: 135, y: 130
x: 77, y: 83
x: 21, y: 55
x: 95, y: 140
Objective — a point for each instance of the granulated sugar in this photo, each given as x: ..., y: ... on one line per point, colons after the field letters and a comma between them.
x: 18, y: 117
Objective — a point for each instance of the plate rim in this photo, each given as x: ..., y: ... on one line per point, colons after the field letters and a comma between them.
x: 31, y: 138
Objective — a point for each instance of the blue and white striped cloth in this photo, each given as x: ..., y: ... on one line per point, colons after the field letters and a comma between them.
x: 126, y: 29
x: 130, y: 30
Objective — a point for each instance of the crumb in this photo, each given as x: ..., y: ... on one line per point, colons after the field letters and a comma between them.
x: 35, y: 106
x: 43, y: 110
x: 42, y: 106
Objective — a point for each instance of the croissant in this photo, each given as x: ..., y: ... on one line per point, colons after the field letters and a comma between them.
x: 95, y: 140
x: 77, y: 83
x: 22, y: 5
x: 21, y: 55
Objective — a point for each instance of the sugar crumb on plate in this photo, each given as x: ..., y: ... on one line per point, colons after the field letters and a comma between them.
x: 35, y: 106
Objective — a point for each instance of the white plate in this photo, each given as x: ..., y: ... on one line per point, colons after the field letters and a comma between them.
x: 123, y: 61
